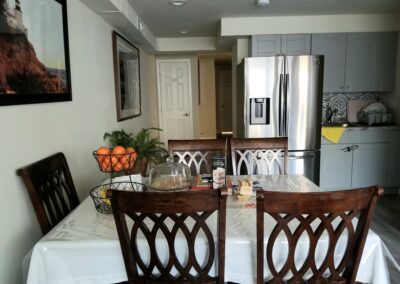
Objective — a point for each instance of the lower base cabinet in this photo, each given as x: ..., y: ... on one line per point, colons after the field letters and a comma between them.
x: 353, y: 165
x: 336, y: 166
x: 369, y: 165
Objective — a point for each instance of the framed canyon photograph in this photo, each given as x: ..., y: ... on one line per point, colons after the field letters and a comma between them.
x: 34, y: 55
x: 127, y: 77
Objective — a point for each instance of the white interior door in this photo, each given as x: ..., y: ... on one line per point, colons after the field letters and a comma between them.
x: 175, y: 99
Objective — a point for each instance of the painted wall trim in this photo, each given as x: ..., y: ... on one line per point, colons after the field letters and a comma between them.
x: 309, y: 24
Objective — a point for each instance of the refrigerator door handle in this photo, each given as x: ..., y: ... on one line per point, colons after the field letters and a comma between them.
x: 285, y: 108
x: 280, y: 104
x: 309, y: 156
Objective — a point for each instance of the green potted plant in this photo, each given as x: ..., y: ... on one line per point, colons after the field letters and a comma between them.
x: 150, y: 150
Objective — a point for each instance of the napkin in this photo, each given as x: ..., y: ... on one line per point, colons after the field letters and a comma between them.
x: 332, y: 134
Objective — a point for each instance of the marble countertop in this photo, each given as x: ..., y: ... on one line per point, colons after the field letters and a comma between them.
x: 357, y: 126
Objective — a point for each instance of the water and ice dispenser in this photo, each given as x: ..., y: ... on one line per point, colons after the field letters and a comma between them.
x: 259, y: 110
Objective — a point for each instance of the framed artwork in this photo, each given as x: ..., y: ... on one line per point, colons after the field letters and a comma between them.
x: 127, y: 77
x: 34, y: 55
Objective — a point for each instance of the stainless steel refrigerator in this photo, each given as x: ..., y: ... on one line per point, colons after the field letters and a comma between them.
x: 281, y: 96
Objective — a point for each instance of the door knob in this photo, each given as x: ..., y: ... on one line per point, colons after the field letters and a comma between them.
x: 185, y: 114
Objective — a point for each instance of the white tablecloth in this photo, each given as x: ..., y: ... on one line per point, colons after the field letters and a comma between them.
x: 84, y: 247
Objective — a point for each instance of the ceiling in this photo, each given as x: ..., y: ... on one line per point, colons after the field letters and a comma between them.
x: 202, y: 17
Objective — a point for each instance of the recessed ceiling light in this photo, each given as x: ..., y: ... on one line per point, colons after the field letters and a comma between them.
x: 262, y: 3
x: 177, y: 2
x: 183, y: 32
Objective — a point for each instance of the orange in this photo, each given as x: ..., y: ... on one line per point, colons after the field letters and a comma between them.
x: 118, y: 167
x: 118, y: 151
x: 131, y: 158
x: 101, y: 152
x: 126, y: 166
x: 124, y: 159
x: 130, y: 150
x: 106, y: 166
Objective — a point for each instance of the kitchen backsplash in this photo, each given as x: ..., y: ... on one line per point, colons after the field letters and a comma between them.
x: 339, y: 101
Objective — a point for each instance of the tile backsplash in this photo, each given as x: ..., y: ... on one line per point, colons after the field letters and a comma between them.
x: 339, y: 101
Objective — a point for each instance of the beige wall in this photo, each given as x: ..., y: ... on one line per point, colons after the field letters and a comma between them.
x: 31, y: 132
x: 207, y: 106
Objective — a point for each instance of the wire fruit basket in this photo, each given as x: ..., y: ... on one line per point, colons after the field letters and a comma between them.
x: 114, y: 163
x: 99, y: 193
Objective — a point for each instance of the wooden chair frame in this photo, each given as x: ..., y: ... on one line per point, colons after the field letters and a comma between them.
x: 197, y: 152
x: 176, y: 207
x: 51, y: 190
x: 307, y: 208
x: 254, y: 147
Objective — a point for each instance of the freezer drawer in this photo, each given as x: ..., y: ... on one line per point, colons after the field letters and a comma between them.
x: 305, y: 163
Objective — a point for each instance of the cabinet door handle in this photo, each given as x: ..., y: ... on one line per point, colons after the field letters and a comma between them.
x: 350, y: 148
x: 347, y: 87
x: 341, y: 87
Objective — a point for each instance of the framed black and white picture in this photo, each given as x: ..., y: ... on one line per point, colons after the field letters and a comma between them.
x: 34, y: 55
x: 127, y: 77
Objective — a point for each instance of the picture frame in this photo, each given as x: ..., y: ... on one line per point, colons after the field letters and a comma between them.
x: 34, y: 35
x: 127, y: 77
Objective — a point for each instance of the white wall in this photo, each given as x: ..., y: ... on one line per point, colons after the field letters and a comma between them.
x: 31, y: 132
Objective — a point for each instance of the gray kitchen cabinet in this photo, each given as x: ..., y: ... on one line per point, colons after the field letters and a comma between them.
x: 271, y: 45
x: 387, y: 62
x: 346, y: 166
x: 357, y: 62
x: 333, y: 47
x: 363, y: 157
x: 296, y: 44
x: 393, y: 162
x: 362, y: 62
x: 370, y: 165
x: 265, y: 45
x: 336, y: 166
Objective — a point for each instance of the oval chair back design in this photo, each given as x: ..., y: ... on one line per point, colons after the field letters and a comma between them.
x: 197, y: 154
x: 254, y: 156
x: 343, y: 216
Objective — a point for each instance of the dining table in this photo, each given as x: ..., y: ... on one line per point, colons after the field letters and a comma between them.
x: 84, y: 247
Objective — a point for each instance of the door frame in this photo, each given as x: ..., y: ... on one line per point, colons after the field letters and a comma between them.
x: 160, y: 114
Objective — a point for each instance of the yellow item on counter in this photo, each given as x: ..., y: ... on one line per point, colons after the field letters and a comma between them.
x: 333, y: 134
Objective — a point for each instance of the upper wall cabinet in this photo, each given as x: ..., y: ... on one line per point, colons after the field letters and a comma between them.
x: 333, y: 47
x: 361, y: 62
x: 357, y: 62
x: 387, y: 62
x: 271, y: 45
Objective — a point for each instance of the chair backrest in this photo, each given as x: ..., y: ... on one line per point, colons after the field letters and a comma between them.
x: 301, y: 217
x: 259, y: 156
x: 51, y: 190
x: 167, y: 214
x: 197, y: 153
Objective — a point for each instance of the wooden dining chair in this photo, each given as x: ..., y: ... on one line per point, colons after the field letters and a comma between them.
x: 51, y: 190
x: 197, y: 153
x: 252, y: 156
x: 304, y: 217
x: 179, y: 217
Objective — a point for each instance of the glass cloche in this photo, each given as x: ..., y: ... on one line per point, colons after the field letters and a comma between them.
x: 170, y: 176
